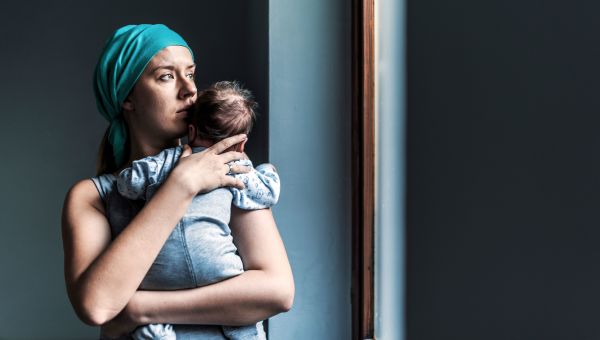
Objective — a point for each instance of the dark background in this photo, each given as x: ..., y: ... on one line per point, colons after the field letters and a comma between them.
x: 503, y: 170
x: 50, y: 128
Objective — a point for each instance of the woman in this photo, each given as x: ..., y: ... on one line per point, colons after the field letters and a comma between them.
x: 144, y: 86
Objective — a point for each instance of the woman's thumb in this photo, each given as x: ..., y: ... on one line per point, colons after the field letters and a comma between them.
x: 186, y: 151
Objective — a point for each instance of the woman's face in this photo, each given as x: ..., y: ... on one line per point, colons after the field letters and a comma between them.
x: 158, y: 105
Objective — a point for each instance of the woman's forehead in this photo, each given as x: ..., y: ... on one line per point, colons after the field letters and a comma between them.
x: 178, y: 56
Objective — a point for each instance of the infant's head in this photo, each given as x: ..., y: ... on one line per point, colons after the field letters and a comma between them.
x: 223, y: 110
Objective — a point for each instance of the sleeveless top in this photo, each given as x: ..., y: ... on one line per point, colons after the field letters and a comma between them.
x: 171, y: 268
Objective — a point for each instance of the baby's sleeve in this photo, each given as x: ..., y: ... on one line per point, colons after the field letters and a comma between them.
x: 154, y: 331
x: 133, y: 182
x: 262, y: 187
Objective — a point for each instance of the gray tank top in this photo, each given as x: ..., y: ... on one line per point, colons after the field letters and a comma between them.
x: 172, y: 268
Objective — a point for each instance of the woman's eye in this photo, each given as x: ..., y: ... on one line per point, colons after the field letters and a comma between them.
x: 166, y: 76
x: 190, y: 75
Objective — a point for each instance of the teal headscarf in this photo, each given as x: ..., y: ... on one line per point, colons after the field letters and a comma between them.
x: 123, y: 60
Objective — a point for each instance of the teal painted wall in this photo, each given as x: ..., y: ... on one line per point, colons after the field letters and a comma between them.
x: 390, y: 170
x: 309, y: 142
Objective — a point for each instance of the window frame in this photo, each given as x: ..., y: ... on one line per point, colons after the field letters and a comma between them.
x: 363, y: 168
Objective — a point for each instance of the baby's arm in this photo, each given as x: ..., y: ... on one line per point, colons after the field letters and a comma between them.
x: 134, y: 181
x: 262, y: 187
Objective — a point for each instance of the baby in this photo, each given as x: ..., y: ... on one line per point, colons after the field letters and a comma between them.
x: 200, y: 250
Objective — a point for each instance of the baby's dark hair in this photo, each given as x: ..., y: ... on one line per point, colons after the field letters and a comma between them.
x: 224, y: 109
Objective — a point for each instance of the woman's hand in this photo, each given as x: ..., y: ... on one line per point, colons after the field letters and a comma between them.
x: 208, y: 170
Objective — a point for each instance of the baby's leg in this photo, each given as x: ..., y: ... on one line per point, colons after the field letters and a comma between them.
x: 154, y: 332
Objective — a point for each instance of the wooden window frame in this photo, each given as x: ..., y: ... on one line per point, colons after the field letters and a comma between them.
x: 363, y: 168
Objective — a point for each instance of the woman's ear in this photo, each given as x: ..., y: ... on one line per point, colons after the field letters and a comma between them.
x: 192, y: 134
x: 127, y: 104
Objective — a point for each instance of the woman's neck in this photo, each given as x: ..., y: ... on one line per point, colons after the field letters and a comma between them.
x: 141, y: 150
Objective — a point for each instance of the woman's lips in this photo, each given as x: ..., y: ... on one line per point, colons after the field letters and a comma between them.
x: 182, y: 113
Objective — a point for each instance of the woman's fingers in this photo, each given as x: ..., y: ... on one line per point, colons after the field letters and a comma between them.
x: 230, y: 181
x: 231, y: 156
x: 238, y: 169
x: 213, y: 166
x: 227, y: 143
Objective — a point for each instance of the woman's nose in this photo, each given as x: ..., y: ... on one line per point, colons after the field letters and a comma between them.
x: 188, y: 89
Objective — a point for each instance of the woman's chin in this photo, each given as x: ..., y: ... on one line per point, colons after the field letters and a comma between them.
x: 180, y: 128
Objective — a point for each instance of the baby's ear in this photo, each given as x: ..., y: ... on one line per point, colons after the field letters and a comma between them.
x: 191, y: 133
x: 240, y: 146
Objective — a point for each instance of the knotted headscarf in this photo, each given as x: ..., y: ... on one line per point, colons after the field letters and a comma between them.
x: 123, y: 60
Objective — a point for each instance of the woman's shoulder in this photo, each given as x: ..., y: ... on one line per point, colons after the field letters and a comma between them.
x: 83, y: 188
x: 104, y: 184
x: 89, y: 191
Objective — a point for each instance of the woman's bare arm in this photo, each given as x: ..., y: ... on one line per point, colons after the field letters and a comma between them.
x: 102, y: 276
x: 266, y: 287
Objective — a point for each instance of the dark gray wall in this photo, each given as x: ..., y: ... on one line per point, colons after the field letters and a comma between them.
x: 503, y: 170
x: 50, y: 128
